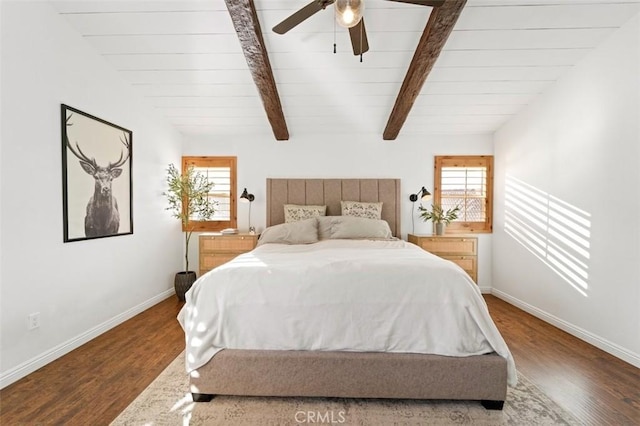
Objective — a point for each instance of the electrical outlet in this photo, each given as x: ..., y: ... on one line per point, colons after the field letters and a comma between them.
x: 33, y: 321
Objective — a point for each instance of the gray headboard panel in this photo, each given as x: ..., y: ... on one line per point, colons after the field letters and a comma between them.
x: 330, y: 192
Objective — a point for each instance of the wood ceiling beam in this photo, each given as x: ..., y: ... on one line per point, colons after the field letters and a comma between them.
x: 245, y: 20
x: 435, y: 34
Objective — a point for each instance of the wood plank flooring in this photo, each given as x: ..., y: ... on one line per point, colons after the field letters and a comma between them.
x: 94, y: 383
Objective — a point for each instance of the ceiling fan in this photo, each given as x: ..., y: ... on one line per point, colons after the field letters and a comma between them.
x: 348, y: 14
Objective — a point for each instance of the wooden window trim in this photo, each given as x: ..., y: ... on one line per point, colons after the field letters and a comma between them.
x: 211, y: 161
x: 459, y: 227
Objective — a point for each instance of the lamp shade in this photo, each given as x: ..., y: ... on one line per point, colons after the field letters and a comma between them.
x: 423, y: 194
x: 246, y: 197
x: 349, y: 12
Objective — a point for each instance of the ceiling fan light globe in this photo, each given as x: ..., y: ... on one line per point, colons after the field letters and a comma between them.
x: 348, y: 17
x: 349, y: 12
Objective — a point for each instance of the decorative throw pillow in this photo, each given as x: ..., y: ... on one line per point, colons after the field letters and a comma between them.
x: 351, y: 227
x: 295, y: 213
x: 300, y: 232
x: 360, y: 209
x: 325, y: 223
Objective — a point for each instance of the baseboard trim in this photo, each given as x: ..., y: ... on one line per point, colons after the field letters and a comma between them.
x: 45, y: 358
x: 597, y: 341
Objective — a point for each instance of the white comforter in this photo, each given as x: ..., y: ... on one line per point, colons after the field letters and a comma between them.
x: 339, y: 295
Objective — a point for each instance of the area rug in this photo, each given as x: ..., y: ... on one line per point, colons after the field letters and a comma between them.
x: 166, y: 401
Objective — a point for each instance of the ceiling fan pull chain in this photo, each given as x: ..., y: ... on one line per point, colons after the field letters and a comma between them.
x: 334, y: 36
x: 361, y: 30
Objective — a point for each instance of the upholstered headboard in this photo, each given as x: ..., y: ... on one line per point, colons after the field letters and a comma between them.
x: 330, y: 192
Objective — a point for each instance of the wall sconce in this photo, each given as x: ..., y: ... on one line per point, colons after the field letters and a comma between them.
x: 423, y: 195
x: 248, y: 198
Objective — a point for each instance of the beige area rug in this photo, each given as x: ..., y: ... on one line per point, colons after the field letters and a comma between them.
x: 167, y: 402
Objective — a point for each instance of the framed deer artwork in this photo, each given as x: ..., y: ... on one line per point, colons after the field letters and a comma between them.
x: 96, y: 177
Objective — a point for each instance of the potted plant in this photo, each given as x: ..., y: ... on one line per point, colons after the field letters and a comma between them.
x: 438, y: 216
x: 187, y: 194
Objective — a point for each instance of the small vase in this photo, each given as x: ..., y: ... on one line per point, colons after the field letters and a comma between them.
x: 440, y: 227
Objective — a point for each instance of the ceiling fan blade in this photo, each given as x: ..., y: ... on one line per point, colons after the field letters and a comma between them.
x: 359, y: 38
x: 309, y: 10
x: 432, y: 3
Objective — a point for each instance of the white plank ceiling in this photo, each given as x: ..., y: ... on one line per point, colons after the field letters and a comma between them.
x: 185, y: 58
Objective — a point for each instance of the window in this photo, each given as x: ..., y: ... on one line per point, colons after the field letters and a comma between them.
x: 222, y: 172
x: 467, y: 182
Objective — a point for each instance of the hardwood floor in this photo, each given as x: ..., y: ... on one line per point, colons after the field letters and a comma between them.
x: 597, y: 388
x: 94, y: 383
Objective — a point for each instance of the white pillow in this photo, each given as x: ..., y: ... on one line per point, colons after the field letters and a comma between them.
x: 294, y: 212
x: 325, y: 223
x: 300, y: 232
x: 350, y: 227
x: 360, y: 209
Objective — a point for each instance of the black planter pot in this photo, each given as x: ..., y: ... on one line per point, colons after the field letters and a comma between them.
x: 183, y: 282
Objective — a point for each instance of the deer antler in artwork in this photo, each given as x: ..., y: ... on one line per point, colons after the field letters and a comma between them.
x: 90, y: 162
x: 121, y: 160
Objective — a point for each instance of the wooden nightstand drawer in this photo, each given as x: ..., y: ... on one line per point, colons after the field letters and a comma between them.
x: 216, y: 249
x: 211, y: 260
x: 450, y: 245
x: 461, y: 250
x: 227, y: 243
x: 468, y: 263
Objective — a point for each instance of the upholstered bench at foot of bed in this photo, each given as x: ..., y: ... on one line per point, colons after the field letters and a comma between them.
x: 352, y: 375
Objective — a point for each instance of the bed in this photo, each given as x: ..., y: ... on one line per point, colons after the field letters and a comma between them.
x: 342, y: 347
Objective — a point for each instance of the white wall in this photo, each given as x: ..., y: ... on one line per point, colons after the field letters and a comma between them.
x: 579, y: 143
x: 80, y: 288
x: 409, y: 158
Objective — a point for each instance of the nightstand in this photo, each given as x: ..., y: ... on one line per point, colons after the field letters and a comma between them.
x: 216, y: 249
x: 461, y: 250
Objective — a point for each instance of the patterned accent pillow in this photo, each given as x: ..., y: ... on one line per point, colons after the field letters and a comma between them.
x: 295, y: 213
x: 360, y: 209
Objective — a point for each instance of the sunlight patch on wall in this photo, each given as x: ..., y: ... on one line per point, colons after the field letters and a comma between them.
x: 555, y: 231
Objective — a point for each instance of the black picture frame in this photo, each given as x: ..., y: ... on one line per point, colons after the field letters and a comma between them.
x: 97, y: 170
